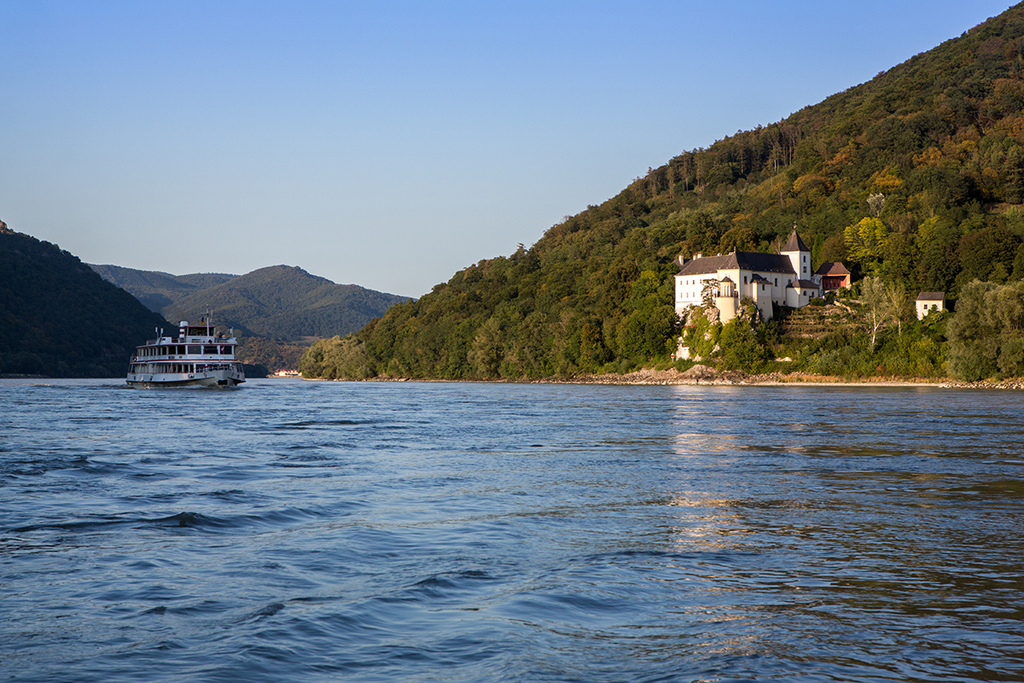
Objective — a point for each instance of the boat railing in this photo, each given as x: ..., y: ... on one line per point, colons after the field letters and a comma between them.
x: 212, y: 339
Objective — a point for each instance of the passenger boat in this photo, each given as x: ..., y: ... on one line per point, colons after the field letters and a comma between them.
x: 198, y: 356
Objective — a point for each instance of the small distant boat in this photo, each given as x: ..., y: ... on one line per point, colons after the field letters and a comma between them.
x: 197, y: 357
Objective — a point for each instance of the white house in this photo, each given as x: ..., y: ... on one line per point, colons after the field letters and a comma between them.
x: 783, y: 279
x: 927, y: 302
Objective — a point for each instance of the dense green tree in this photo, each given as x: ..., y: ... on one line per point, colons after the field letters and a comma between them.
x: 900, y: 262
x: 741, y: 349
x: 939, y: 265
x: 336, y: 358
x: 487, y: 350
x: 988, y: 254
x: 986, y: 335
x: 866, y: 241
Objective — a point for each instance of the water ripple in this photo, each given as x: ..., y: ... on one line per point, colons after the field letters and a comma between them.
x: 470, y: 532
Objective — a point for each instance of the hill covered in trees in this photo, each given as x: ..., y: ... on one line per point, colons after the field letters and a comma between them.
x: 287, y: 303
x: 277, y: 302
x: 59, y: 318
x: 915, y: 178
x: 158, y: 290
x: 275, y: 310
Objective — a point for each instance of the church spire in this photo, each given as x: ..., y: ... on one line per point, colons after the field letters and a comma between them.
x: 794, y: 243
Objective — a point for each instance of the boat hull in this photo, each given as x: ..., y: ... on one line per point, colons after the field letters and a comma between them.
x: 222, y: 379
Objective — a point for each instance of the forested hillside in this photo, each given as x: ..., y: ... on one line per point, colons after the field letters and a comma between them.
x: 277, y: 302
x: 287, y: 303
x: 155, y: 289
x: 59, y: 318
x: 274, y: 310
x: 916, y: 177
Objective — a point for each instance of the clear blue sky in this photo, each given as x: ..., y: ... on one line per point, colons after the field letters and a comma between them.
x: 391, y: 143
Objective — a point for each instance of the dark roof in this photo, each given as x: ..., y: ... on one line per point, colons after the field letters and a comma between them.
x: 794, y: 243
x: 805, y: 284
x: 832, y: 268
x: 703, y: 265
x: 931, y: 296
x: 743, y: 260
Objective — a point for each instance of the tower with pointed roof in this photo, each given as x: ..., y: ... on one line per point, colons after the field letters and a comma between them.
x: 799, y: 255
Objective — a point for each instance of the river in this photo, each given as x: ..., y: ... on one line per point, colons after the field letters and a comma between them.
x: 322, y: 531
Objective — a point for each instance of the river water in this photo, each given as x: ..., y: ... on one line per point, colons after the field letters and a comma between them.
x: 322, y: 531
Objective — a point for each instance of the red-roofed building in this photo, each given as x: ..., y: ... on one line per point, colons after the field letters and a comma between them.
x: 832, y: 275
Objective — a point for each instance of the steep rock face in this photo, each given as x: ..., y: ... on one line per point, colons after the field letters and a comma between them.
x: 58, y: 318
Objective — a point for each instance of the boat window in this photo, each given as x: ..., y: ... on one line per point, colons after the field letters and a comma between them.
x: 209, y: 349
x: 195, y: 349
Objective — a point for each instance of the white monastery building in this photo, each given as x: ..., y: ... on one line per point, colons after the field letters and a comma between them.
x: 764, y: 279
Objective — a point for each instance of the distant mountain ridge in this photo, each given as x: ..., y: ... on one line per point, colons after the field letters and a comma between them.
x: 157, y: 290
x: 277, y: 302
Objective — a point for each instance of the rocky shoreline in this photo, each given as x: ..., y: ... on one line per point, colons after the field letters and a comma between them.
x: 703, y: 375
x: 707, y: 376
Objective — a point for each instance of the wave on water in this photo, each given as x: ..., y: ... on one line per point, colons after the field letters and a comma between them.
x: 271, y: 519
x: 477, y: 532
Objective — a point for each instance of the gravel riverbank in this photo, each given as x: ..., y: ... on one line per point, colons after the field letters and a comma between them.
x: 704, y: 375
